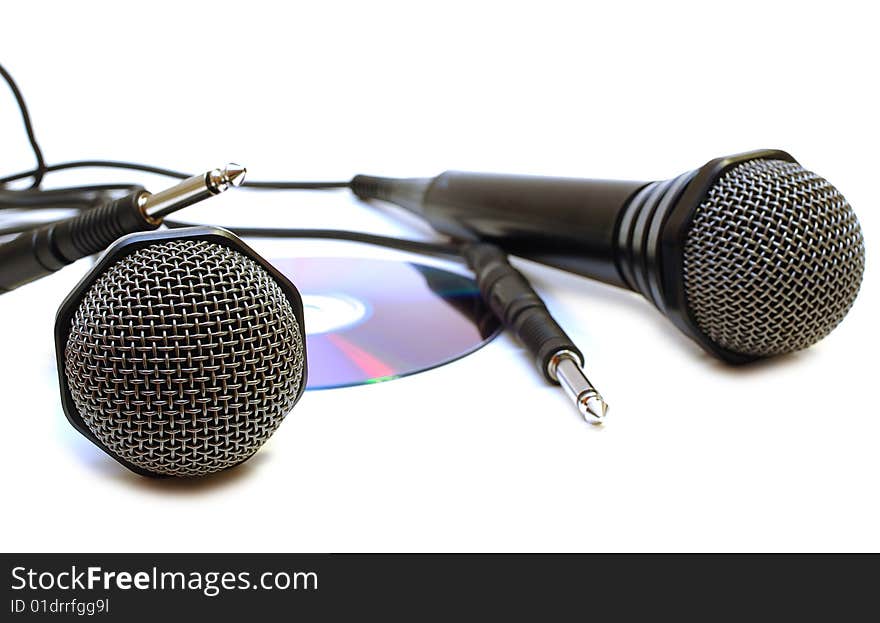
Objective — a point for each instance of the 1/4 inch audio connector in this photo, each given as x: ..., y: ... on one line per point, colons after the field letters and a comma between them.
x: 511, y: 297
x: 43, y: 250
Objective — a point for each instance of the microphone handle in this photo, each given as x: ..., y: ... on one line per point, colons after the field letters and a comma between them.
x: 568, y: 223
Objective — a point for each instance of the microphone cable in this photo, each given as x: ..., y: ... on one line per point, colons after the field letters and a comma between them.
x: 85, y: 197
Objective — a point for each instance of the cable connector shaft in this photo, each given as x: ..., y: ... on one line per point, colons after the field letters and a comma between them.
x: 511, y: 297
x: 191, y: 190
x: 570, y: 375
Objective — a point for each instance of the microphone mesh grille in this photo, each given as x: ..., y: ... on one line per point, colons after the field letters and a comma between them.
x: 184, y: 357
x: 773, y: 260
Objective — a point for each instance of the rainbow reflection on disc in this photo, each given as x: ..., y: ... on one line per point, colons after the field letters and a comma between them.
x: 373, y: 320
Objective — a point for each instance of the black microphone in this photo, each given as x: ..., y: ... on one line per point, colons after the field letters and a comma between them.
x: 180, y: 352
x: 750, y: 255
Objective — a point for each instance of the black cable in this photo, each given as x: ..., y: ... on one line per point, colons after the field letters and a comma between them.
x: 105, y: 164
x: 296, y: 185
x: 146, y: 168
x: 20, y: 227
x: 95, y: 188
x: 38, y: 172
x: 69, y: 197
x: 448, y: 250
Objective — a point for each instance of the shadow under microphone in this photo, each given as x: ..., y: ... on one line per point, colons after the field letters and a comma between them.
x: 180, y: 352
x: 750, y: 255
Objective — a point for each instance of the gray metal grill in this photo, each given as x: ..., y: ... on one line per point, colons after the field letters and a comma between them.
x: 184, y: 357
x: 773, y: 260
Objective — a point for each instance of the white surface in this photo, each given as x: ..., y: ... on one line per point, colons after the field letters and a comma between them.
x: 480, y: 454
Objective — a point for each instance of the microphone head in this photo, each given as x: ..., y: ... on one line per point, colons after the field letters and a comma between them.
x: 751, y: 255
x: 773, y: 259
x: 181, y: 352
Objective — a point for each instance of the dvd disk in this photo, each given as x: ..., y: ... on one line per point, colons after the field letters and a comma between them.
x: 371, y: 320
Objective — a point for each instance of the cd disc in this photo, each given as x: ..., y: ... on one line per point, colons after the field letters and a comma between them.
x: 373, y: 320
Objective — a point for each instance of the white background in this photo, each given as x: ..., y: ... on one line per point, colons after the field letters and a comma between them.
x: 480, y: 454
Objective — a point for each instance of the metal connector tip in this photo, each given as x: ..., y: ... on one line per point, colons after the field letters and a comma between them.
x: 220, y: 180
x: 235, y: 173
x: 593, y: 408
x: 565, y: 367
x: 157, y: 206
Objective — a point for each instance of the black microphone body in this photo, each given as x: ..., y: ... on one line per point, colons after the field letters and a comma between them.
x: 564, y: 222
x: 734, y: 227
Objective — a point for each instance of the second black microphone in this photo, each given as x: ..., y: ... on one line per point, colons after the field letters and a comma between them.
x: 750, y: 255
